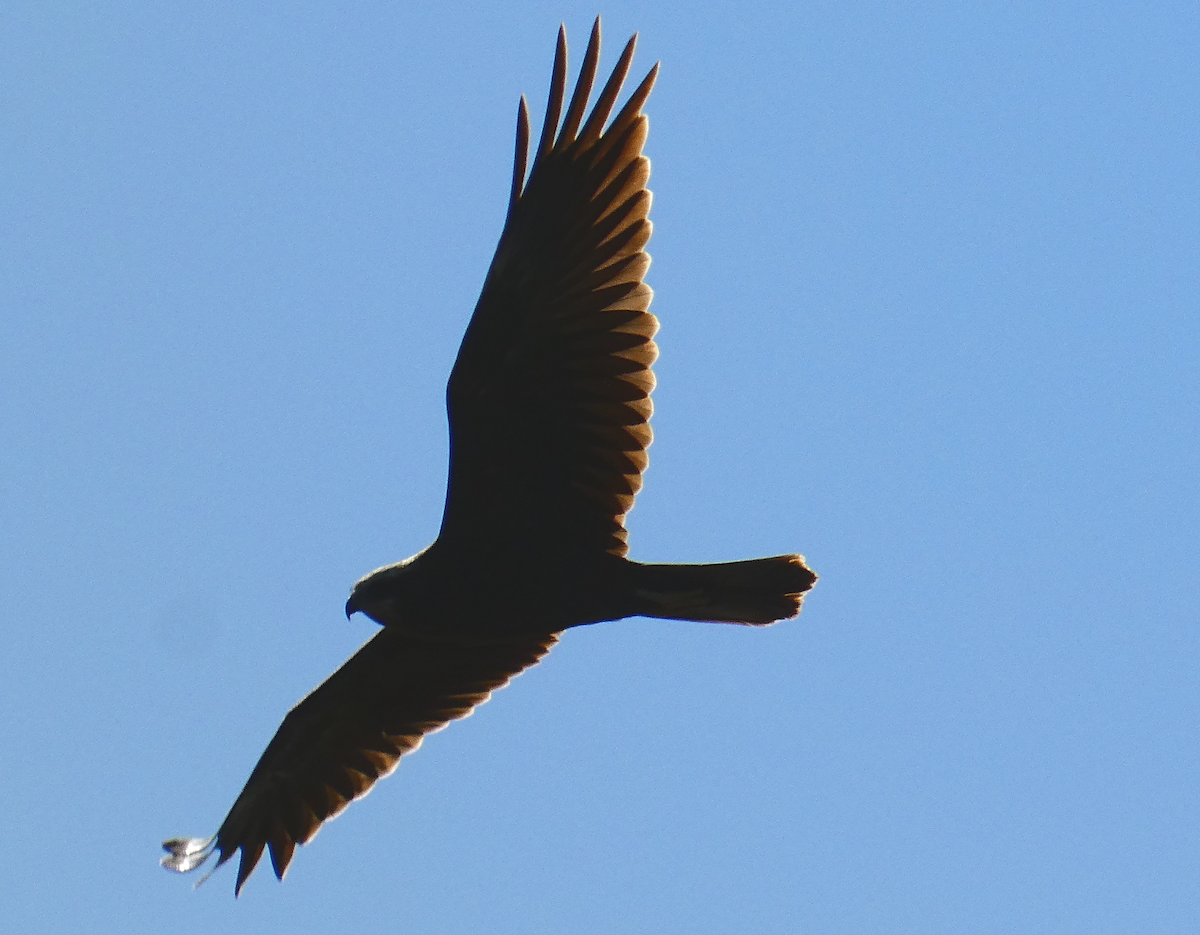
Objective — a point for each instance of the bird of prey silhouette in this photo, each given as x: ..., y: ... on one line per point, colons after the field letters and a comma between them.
x: 549, y: 408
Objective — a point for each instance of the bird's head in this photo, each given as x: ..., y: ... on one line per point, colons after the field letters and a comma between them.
x: 381, y: 594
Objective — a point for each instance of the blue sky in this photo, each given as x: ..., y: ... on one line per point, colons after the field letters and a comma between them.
x: 927, y: 277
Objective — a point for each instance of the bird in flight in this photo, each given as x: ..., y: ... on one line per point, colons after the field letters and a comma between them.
x: 549, y: 410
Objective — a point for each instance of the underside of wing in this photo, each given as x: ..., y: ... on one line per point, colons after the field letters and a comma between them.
x: 350, y: 732
x: 549, y: 400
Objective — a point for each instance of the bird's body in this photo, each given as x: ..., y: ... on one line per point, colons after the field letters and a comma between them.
x: 488, y: 598
x: 549, y: 408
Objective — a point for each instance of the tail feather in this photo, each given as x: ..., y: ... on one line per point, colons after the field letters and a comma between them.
x: 757, y: 591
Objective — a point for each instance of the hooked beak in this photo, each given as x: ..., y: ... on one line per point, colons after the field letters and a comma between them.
x: 351, y: 607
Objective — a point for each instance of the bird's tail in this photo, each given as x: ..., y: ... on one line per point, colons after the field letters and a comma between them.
x: 758, y: 591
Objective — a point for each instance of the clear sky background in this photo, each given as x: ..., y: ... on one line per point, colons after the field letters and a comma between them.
x: 927, y: 276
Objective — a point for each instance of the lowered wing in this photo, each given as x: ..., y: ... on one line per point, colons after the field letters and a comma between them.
x: 348, y: 733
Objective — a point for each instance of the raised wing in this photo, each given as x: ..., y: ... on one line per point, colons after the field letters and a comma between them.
x: 549, y: 399
x: 348, y: 733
